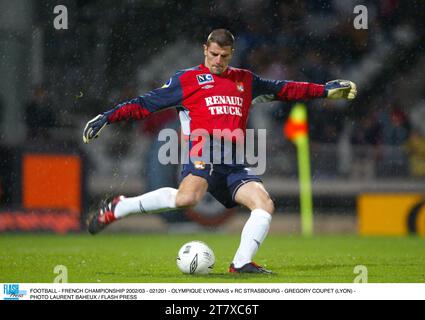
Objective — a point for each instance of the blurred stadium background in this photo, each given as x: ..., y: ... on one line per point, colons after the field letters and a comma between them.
x: 368, y: 156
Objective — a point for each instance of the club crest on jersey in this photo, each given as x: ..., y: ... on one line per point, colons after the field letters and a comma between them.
x: 204, y: 78
x: 239, y: 86
x: 200, y: 165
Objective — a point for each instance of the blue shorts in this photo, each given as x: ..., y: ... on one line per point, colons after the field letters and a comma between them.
x: 223, y: 180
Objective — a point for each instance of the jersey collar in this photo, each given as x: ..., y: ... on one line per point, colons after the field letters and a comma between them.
x: 224, y: 74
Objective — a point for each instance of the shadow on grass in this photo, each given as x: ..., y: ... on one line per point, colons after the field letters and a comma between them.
x: 233, y: 276
x: 317, y: 267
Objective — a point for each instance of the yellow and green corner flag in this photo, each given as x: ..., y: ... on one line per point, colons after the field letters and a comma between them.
x: 296, y: 130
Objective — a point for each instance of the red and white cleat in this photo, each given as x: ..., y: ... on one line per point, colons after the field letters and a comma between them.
x: 250, y: 267
x: 103, y: 216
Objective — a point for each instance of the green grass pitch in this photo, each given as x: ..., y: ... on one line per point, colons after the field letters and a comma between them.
x: 150, y: 258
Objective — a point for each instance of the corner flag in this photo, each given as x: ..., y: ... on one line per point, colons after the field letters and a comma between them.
x: 296, y: 130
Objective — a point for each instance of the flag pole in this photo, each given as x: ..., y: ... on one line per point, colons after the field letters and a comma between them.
x: 296, y: 130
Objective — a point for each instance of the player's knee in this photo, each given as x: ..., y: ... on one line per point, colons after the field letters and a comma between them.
x: 269, y: 206
x: 186, y: 200
x: 266, y: 204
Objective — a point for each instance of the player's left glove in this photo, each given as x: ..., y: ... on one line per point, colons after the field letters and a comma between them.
x: 94, y: 127
x: 340, y: 89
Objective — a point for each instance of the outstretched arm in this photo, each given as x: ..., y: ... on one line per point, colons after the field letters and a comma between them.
x: 292, y: 90
x: 169, y: 95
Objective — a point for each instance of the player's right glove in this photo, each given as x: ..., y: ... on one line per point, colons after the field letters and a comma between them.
x: 341, y: 89
x: 94, y: 127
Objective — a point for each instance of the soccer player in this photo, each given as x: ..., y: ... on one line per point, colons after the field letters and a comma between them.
x: 210, y: 96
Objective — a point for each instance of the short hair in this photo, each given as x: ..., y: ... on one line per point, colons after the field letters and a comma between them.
x: 222, y: 37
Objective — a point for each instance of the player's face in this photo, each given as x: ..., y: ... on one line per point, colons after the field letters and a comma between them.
x: 217, y: 58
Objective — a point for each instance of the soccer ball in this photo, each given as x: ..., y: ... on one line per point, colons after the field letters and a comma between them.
x: 195, y: 257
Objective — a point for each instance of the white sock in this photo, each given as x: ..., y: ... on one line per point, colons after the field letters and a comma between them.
x: 155, y: 201
x: 253, y: 234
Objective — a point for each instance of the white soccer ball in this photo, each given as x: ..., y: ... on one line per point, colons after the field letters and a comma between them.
x: 195, y: 257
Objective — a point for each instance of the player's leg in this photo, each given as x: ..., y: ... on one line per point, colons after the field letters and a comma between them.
x: 254, y: 196
x: 190, y: 192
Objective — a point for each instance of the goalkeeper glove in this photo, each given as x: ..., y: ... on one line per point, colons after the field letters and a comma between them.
x: 340, y: 89
x: 94, y: 127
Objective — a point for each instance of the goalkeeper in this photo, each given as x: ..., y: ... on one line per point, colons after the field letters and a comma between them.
x: 210, y: 96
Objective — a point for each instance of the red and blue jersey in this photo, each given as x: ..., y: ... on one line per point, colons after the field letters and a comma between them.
x: 207, y: 101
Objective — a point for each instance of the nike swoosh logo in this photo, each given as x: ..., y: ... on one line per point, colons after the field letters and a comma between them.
x: 257, y: 242
x: 141, y: 207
